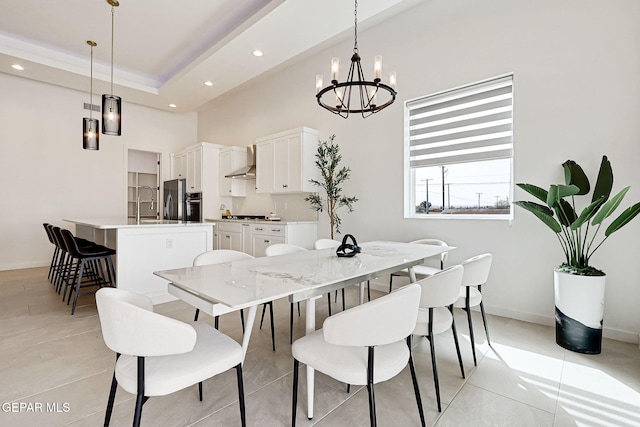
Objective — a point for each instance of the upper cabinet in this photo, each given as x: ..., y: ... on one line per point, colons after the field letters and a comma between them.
x: 179, y: 166
x: 286, y: 161
x: 232, y: 159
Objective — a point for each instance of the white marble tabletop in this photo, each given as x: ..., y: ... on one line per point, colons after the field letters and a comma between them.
x: 302, y: 275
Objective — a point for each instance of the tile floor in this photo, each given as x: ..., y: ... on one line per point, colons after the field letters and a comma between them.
x: 58, y: 366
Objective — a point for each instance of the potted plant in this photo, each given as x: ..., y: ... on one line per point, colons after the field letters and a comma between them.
x: 328, y: 160
x: 579, y: 287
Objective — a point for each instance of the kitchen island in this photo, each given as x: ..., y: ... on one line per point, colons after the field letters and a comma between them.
x: 145, y: 247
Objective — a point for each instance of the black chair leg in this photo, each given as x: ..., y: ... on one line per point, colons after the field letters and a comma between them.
x: 242, y: 319
x: 273, y: 334
x: 298, y: 308
x: 216, y: 322
x: 329, y: 302
x: 455, y: 339
x: 112, y: 396
x: 137, y: 416
x: 291, y: 324
x: 200, y: 391
x: 368, y: 291
x: 195, y: 318
x: 473, y: 345
x: 390, y: 282
x: 372, y: 399
x: 432, y: 346
x: 343, y: 306
x: 75, y: 297
x: 294, y: 401
x: 484, y: 320
x: 416, y: 389
x: 243, y: 417
x: 264, y: 307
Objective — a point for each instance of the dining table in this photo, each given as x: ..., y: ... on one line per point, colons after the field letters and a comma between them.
x: 300, y: 276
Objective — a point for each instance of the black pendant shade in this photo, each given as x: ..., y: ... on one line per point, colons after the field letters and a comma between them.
x: 91, y: 134
x: 111, y: 117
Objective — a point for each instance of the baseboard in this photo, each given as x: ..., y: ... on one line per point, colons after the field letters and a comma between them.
x: 19, y: 266
x: 611, y: 333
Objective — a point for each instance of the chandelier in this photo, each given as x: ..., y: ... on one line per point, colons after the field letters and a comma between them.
x: 337, y: 97
x: 112, y: 104
x: 90, y: 126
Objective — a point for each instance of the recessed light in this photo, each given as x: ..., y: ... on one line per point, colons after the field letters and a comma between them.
x: 208, y: 83
x: 172, y: 105
x: 257, y: 52
x: 17, y: 67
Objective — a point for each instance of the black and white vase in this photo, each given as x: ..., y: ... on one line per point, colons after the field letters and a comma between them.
x: 579, y: 311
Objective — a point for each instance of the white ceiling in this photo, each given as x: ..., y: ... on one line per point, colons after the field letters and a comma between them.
x: 164, y: 50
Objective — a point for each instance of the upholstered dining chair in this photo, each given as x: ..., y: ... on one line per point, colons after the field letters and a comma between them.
x: 284, y: 249
x: 157, y: 355
x: 361, y: 346
x: 435, y: 316
x: 426, y: 269
x: 219, y: 256
x: 476, y: 272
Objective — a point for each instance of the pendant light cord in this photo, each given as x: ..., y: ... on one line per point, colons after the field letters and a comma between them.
x: 91, y: 87
x: 112, y: 27
x: 355, y: 26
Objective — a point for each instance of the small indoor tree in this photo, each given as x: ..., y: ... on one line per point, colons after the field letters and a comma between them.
x: 332, y: 177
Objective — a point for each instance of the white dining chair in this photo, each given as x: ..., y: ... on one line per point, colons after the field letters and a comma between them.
x: 476, y: 273
x: 427, y: 268
x: 435, y: 316
x: 157, y: 355
x: 219, y: 256
x: 361, y: 346
x: 334, y: 244
x: 284, y: 249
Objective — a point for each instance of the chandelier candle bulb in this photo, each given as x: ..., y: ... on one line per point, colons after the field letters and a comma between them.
x: 392, y: 80
x: 377, y: 67
x: 335, y: 65
x: 318, y: 83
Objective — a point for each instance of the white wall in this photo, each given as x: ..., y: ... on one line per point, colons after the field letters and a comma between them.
x: 577, y: 84
x: 47, y: 176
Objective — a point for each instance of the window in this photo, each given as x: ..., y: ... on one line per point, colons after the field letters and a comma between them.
x: 458, y: 152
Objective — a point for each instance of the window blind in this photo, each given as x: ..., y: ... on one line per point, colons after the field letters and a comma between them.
x: 467, y: 124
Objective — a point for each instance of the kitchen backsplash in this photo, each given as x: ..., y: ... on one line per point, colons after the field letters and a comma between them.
x: 290, y: 207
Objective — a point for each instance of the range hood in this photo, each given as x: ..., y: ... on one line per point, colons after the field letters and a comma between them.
x: 249, y: 171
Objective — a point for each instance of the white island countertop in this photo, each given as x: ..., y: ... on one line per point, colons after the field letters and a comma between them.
x: 115, y: 223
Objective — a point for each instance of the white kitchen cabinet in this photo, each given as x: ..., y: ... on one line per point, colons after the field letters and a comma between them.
x: 231, y: 159
x: 265, y: 235
x: 179, y: 166
x: 230, y: 236
x: 286, y: 161
x: 199, y: 165
x: 194, y: 170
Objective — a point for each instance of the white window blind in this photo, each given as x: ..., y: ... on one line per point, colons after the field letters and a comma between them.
x: 467, y: 124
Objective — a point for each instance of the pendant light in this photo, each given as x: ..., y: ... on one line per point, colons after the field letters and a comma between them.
x: 372, y: 96
x: 90, y: 126
x: 111, y: 104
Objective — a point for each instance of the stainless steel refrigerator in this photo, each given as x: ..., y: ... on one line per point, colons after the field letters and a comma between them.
x: 174, y: 192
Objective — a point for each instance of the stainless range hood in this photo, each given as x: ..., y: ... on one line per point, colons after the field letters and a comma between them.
x: 249, y: 171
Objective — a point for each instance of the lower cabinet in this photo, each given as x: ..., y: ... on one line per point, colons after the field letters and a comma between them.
x: 265, y: 235
x: 254, y: 238
x: 230, y: 236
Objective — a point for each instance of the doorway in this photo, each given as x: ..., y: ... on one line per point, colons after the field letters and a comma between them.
x: 143, y: 183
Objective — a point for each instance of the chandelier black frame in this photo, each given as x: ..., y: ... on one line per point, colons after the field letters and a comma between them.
x: 355, y: 79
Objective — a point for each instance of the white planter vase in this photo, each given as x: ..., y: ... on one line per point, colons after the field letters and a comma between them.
x: 579, y: 311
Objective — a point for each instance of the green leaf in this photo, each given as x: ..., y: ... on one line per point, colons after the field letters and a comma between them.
x: 558, y: 192
x: 543, y: 213
x: 608, y: 208
x: 626, y: 216
x: 574, y: 175
x: 587, y: 214
x: 604, y: 184
x: 565, y: 213
x: 535, y: 191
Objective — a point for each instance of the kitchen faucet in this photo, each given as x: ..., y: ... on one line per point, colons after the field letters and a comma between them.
x: 138, y: 202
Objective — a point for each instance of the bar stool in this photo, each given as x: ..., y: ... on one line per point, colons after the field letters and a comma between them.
x: 89, y: 257
x: 56, y: 251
